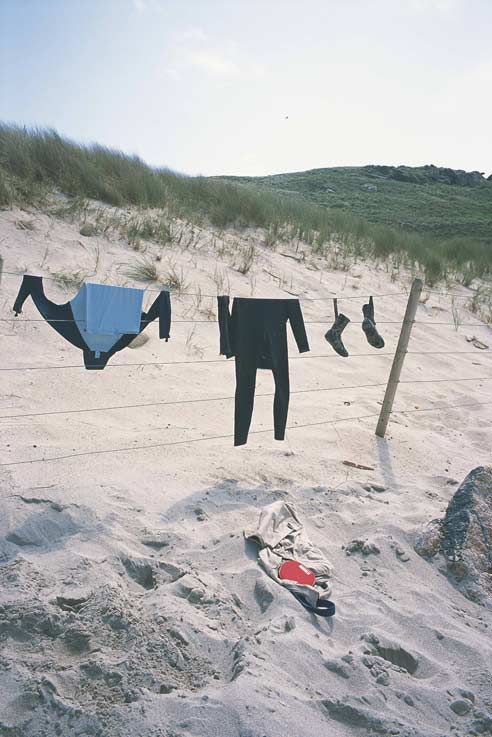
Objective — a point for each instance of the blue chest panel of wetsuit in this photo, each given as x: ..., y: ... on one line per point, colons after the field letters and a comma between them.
x: 105, y: 313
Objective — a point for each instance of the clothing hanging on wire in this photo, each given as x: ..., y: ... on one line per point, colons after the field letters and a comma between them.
x: 334, y: 334
x: 100, y: 320
x: 369, y: 325
x: 255, y: 333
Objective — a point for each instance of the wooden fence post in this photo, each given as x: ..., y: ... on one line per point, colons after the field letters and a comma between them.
x: 401, y: 349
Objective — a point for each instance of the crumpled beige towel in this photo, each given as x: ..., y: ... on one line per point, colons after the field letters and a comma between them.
x: 280, y: 534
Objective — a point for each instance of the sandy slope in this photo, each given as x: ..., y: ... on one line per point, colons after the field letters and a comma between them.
x: 129, y: 602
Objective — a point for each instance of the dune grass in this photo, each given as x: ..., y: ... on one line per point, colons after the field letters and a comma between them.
x: 144, y: 269
x: 35, y: 162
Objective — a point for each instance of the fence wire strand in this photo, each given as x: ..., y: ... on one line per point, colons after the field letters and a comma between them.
x: 214, y: 323
x: 226, y: 362
x: 229, y: 436
x: 200, y: 400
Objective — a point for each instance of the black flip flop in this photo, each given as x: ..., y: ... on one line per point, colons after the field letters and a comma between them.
x: 324, y: 608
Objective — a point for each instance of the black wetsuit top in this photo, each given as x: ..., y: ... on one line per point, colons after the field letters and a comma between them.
x: 255, y: 332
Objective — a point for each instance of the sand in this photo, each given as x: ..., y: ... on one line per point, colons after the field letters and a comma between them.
x: 130, y: 603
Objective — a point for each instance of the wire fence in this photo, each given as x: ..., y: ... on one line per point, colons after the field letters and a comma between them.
x: 201, y: 361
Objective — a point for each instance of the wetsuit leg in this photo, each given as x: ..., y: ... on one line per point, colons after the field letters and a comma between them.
x: 282, y: 392
x: 245, y: 397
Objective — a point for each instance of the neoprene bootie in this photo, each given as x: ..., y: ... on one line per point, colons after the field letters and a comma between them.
x: 369, y: 325
x: 334, y: 335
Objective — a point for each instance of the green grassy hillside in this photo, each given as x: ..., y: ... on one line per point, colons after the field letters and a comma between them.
x: 429, y: 200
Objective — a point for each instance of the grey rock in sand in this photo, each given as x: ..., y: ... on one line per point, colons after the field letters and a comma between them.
x: 335, y: 667
x: 379, y: 488
x: 87, y: 229
x: 464, y: 537
x: 461, y: 706
x: 362, y: 546
x: 401, y: 554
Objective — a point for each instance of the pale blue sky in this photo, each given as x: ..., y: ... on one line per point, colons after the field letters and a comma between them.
x: 204, y: 86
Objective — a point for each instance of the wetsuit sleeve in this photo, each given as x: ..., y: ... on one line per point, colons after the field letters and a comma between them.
x: 164, y: 314
x: 160, y: 308
x: 29, y: 284
x: 224, y: 327
x: 297, y: 325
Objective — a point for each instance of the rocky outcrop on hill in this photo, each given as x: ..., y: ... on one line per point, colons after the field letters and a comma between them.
x: 464, y: 537
x: 429, y: 174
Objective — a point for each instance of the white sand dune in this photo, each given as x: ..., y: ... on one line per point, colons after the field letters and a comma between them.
x: 129, y: 601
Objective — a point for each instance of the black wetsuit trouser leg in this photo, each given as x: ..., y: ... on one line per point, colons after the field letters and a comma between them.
x: 282, y: 392
x: 245, y: 397
x: 246, y: 369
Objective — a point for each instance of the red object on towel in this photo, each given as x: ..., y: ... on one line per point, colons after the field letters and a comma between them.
x: 294, y: 571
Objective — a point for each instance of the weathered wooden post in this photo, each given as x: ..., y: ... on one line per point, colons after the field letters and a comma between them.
x: 401, y: 349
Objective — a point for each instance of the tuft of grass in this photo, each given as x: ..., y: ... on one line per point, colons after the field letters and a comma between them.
x: 221, y: 281
x: 149, y: 229
x: 69, y: 281
x: 144, y: 269
x: 247, y: 258
x: 481, y: 303
x: 175, y: 280
x: 456, y: 313
x: 71, y: 209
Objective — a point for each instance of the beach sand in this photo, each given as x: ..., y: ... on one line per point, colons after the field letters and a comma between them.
x: 130, y: 603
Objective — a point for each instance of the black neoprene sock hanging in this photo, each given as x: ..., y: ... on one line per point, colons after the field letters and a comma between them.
x: 369, y: 325
x: 334, y: 334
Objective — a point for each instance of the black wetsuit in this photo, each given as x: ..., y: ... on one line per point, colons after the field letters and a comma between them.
x: 255, y: 332
x: 61, y: 318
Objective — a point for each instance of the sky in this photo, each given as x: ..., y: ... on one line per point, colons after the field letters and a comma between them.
x: 255, y: 87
